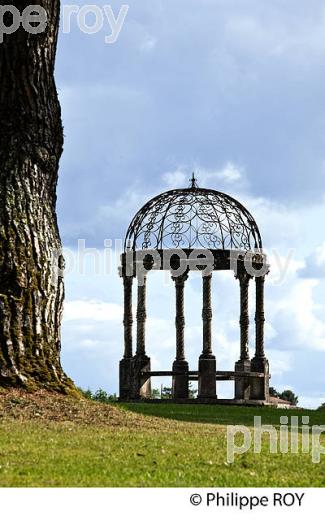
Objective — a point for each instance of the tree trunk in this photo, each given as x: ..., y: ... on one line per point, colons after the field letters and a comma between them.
x: 31, y: 140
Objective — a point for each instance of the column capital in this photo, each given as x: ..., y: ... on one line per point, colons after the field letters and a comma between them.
x: 180, y: 279
x: 260, y: 280
x: 142, y: 277
x: 244, y: 277
x: 127, y: 280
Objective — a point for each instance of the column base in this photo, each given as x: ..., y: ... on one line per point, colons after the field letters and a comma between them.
x: 181, y: 380
x: 125, y: 378
x: 260, y: 385
x: 207, y: 377
x: 242, y: 385
x: 141, y: 384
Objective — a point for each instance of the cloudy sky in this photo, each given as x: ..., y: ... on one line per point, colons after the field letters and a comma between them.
x: 233, y: 89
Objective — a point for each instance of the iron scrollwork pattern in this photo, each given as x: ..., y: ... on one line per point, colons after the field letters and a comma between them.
x: 193, y: 218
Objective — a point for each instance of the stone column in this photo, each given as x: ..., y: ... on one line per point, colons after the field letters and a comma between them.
x: 126, y: 362
x: 180, y: 365
x: 141, y: 317
x: 207, y: 316
x: 128, y: 316
x: 141, y: 362
x: 244, y: 316
x: 259, y: 317
x: 207, y: 361
x: 242, y: 385
x: 260, y: 386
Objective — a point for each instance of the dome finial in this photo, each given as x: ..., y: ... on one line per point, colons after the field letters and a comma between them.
x: 193, y: 182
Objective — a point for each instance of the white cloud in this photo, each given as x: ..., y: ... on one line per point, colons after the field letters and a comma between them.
x: 176, y: 179
x: 315, y: 264
x: 230, y: 173
x: 92, y: 310
x: 295, y: 320
x: 280, y: 363
x: 148, y: 44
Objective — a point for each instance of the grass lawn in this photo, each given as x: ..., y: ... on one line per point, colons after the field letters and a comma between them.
x: 47, y: 440
x: 221, y: 414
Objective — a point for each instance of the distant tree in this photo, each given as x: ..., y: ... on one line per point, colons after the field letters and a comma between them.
x: 86, y: 393
x: 103, y: 397
x: 288, y: 395
x: 192, y: 392
x: 273, y: 392
x: 100, y: 395
x: 166, y: 392
x: 321, y: 408
x: 155, y: 393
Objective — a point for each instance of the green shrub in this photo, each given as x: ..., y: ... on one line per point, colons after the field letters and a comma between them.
x: 100, y: 396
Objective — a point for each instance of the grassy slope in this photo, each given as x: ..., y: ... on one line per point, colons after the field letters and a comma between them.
x: 47, y: 440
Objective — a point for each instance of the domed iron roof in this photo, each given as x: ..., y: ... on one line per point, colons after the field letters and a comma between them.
x: 193, y: 218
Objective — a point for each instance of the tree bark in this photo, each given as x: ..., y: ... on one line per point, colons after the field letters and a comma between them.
x: 31, y: 141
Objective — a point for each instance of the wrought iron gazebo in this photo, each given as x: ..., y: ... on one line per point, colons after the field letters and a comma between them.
x: 194, y: 229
